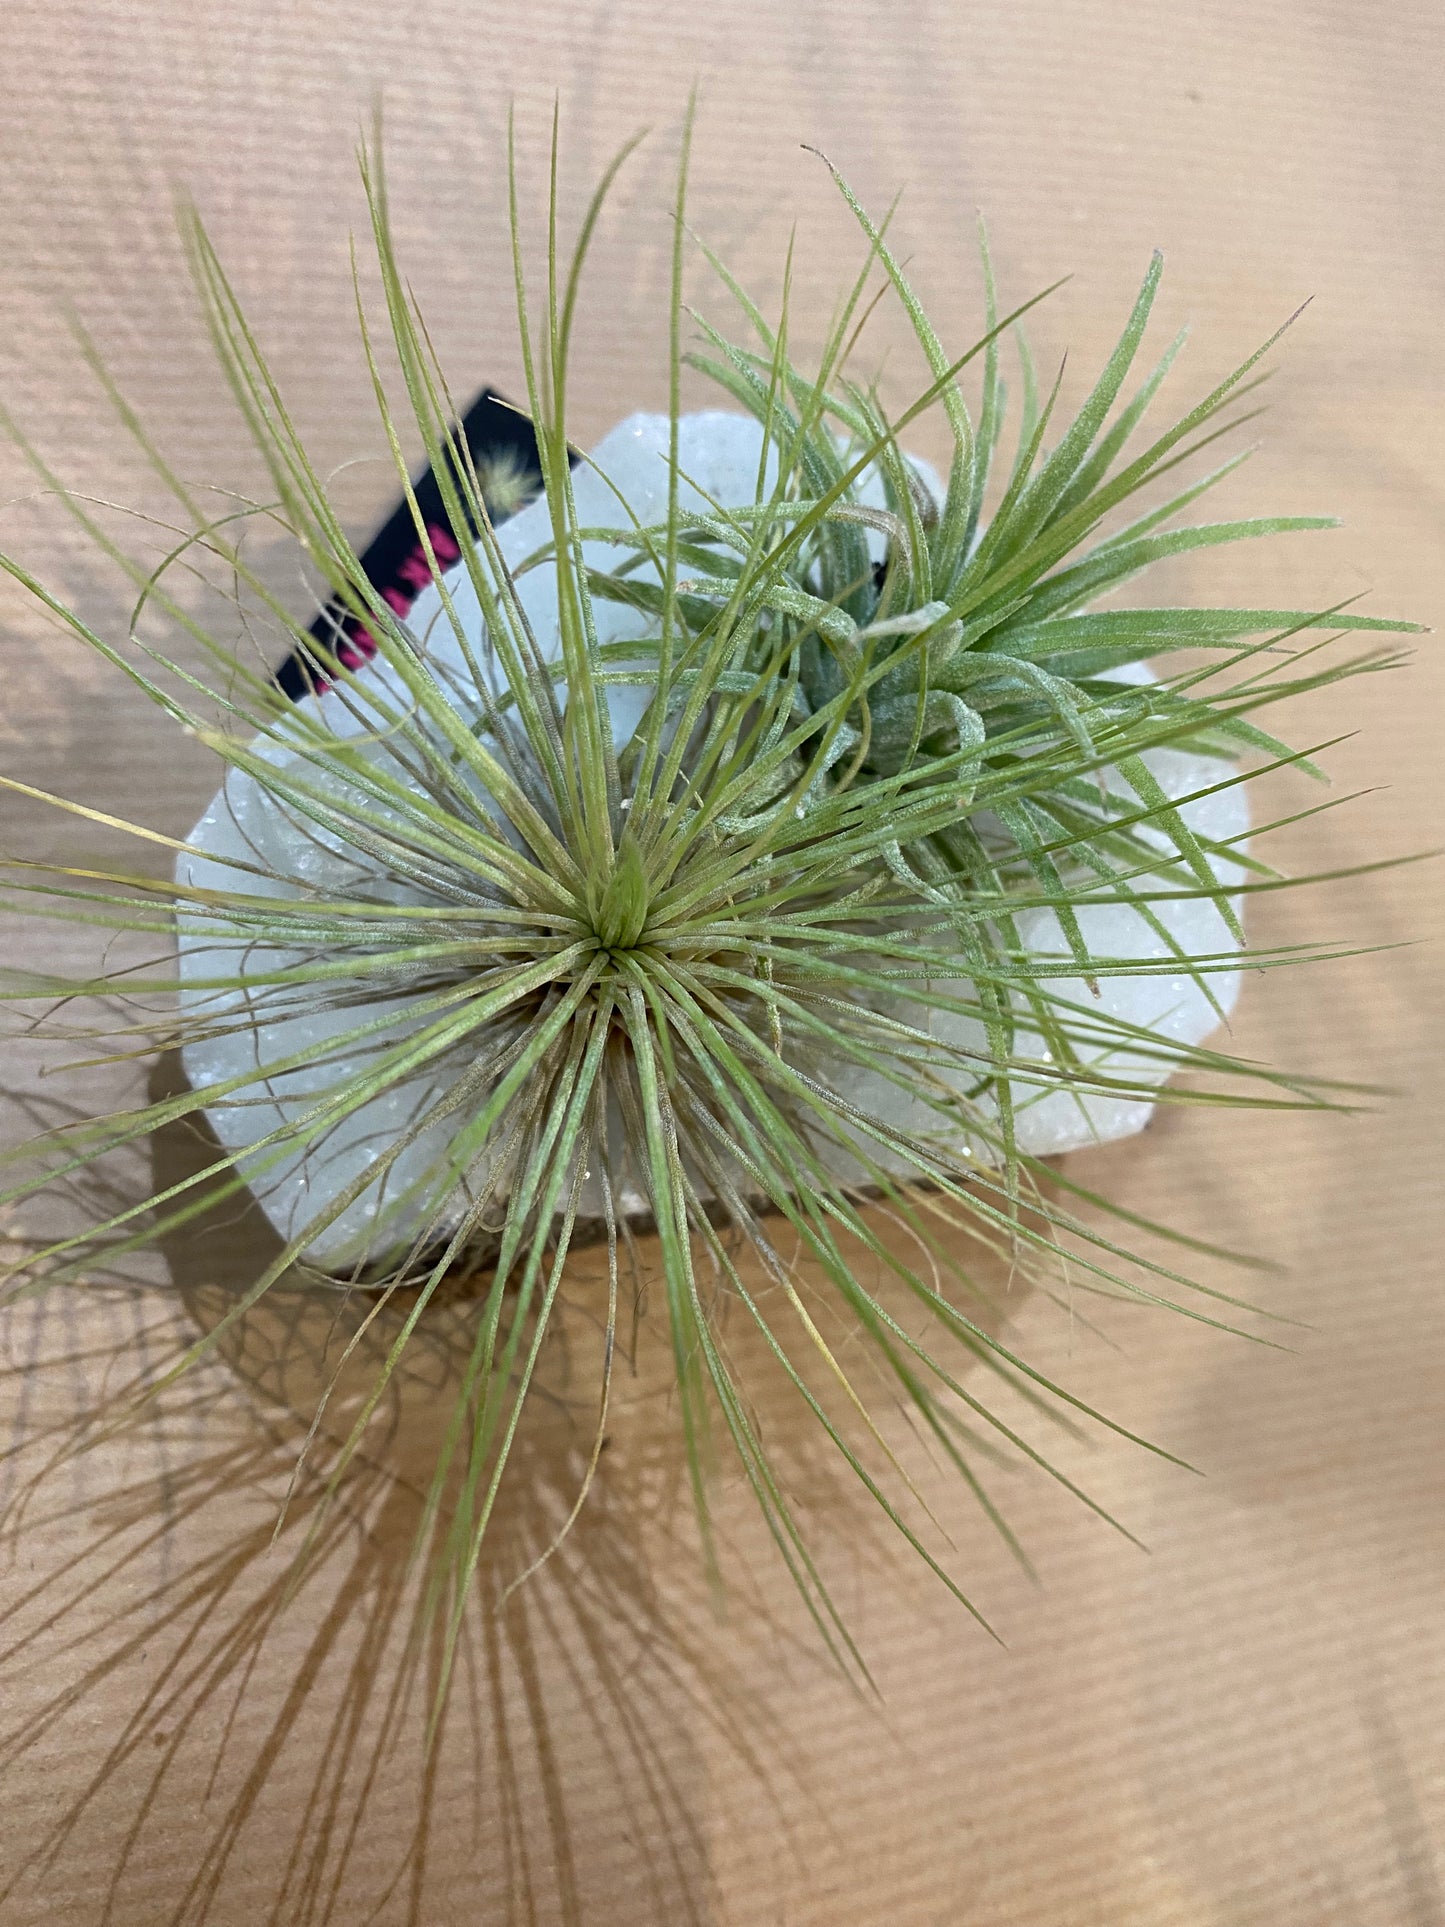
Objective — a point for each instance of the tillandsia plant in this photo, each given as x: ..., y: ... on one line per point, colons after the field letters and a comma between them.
x: 757, y: 842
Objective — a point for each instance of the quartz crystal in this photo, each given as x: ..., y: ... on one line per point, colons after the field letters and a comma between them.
x: 261, y: 1023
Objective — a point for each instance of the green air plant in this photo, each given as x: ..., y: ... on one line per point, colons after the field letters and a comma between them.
x: 757, y: 843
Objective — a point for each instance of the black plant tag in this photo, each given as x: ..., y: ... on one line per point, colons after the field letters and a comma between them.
x: 500, y: 440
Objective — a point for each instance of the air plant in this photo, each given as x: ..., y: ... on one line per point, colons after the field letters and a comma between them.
x: 758, y: 843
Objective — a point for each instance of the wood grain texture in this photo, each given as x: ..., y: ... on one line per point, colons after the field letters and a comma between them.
x: 1240, y: 1728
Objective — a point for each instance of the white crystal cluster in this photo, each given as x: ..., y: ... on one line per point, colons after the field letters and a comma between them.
x: 261, y: 1023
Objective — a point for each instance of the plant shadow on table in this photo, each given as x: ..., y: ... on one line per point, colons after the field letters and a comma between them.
x: 253, y: 1728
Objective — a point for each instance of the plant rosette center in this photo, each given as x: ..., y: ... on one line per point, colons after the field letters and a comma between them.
x: 619, y: 917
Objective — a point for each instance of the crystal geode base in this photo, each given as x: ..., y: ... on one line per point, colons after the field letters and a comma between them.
x: 720, y: 454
